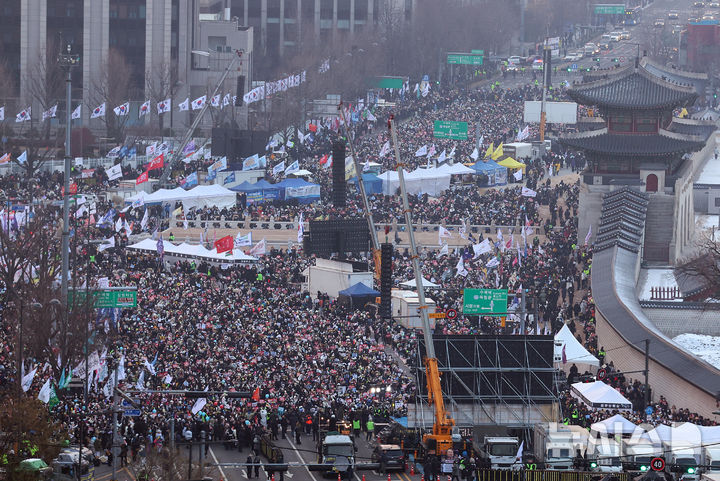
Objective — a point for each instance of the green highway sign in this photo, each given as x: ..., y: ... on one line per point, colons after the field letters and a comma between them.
x: 477, y: 52
x: 389, y: 82
x: 102, y: 298
x: 610, y: 9
x: 485, y: 301
x: 465, y: 59
x: 449, y: 129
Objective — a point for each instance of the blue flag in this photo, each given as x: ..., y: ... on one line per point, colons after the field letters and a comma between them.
x: 230, y: 178
x: 191, y: 180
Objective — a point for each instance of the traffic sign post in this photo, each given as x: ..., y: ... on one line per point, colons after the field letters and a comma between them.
x: 602, y: 374
x: 451, y: 314
x: 485, y: 301
x: 123, y: 297
x: 657, y: 464
x: 449, y: 129
x: 465, y: 58
x: 436, y: 315
x: 610, y: 9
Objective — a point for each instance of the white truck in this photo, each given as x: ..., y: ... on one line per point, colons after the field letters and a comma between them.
x: 685, y: 461
x: 637, y: 455
x: 518, y: 150
x: 554, y: 446
x: 604, y: 454
x: 499, y: 452
x: 712, y: 459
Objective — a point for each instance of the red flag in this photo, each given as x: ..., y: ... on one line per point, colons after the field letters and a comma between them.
x: 312, y: 128
x: 256, y: 394
x: 143, y: 178
x: 323, y: 159
x: 157, y: 162
x: 225, y: 244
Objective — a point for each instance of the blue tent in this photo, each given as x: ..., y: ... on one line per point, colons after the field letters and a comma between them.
x: 260, y: 191
x: 305, y: 192
x: 496, y: 173
x: 357, y: 295
x: 373, y: 184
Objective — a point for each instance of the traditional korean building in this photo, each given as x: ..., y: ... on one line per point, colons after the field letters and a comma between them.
x: 644, y: 146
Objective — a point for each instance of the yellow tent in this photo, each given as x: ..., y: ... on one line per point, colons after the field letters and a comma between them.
x: 498, y: 152
x: 511, y: 163
x: 489, y: 150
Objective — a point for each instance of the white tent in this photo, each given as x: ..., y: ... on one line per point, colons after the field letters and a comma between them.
x: 426, y: 283
x: 614, y: 425
x: 455, y: 169
x: 193, y: 251
x: 420, y: 181
x: 599, y: 395
x: 200, y: 196
x: 574, y: 351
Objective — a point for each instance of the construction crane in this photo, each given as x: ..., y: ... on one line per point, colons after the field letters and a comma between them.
x: 442, y: 437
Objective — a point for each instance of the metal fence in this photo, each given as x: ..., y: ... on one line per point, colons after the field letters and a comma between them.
x: 543, y: 475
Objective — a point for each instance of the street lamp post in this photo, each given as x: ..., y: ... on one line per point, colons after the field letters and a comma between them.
x: 67, y: 61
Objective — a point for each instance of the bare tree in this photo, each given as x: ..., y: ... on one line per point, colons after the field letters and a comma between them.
x: 113, y: 88
x: 161, y: 82
x: 702, y: 270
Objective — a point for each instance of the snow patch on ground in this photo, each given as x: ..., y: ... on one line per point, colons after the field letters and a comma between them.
x: 706, y: 348
x: 656, y: 278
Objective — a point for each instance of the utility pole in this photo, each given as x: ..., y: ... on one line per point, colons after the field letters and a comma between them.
x: 67, y: 61
x: 647, y: 372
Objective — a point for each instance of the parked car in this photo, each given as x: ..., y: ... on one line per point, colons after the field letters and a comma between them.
x: 708, y: 16
x: 714, y: 4
x: 699, y: 4
x: 604, y: 46
x: 615, y: 36
x: 390, y: 456
x: 673, y: 15
x: 625, y: 35
x: 514, y: 60
x: 573, y: 56
x: 537, y: 64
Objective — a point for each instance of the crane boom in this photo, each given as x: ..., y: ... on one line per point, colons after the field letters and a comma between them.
x: 441, y: 438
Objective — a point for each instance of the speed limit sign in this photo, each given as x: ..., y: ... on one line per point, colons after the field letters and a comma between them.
x: 657, y: 464
x: 602, y: 374
x: 451, y: 314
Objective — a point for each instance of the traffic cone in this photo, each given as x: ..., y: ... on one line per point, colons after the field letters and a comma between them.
x: 272, y: 478
x: 339, y: 477
x: 389, y: 477
x: 449, y: 479
x: 363, y: 478
x: 412, y: 469
x: 422, y: 477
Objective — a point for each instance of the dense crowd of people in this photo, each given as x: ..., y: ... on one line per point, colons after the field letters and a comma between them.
x: 302, y: 358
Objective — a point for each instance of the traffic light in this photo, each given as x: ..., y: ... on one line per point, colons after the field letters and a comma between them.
x: 593, y: 465
x: 690, y: 470
x: 644, y: 468
x: 615, y: 60
x: 596, y: 59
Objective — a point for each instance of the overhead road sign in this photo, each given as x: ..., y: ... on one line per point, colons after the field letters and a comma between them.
x: 449, y: 129
x: 464, y: 59
x: 485, y: 301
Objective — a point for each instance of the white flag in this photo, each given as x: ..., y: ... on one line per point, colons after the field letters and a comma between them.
x: 422, y: 151
x: 301, y: 229
x: 475, y: 154
x: 121, y: 369
x: 140, y: 384
x: 225, y: 103
x: 589, y: 234
x: 460, y: 267
x: 243, y: 240
x: 199, y: 102
x: 50, y: 113
x: 107, y: 244
x: 150, y: 150
x: 114, y: 172
x: 45, y: 390
x: 122, y: 110
x: 517, y: 175
x: 215, y: 101
x: 2, y: 114
x: 98, y: 112
x: 528, y: 192
x: 259, y: 249
x: 385, y: 149
x: 144, y: 109
x: 149, y: 367
x: 184, y: 105
x: 482, y: 248
x: 279, y: 168
x: 164, y: 106
x: 27, y: 380
x: 444, y: 250
x: 442, y: 157
x: 443, y: 232
x: 23, y: 115
x: 77, y: 112
x: 199, y: 404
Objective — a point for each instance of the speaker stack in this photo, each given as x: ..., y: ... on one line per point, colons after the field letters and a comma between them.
x: 386, y: 253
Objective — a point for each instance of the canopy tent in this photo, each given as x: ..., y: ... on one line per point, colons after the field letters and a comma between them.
x: 305, y: 192
x: 574, y: 351
x: 373, y: 185
x: 426, y: 283
x: 599, y: 395
x: 357, y: 295
x: 301, y: 173
x: 420, y: 181
x: 248, y: 186
x: 260, y: 191
x: 455, y: 169
x: 497, y: 174
x: 614, y: 425
x: 201, y: 196
x: 194, y: 251
x: 511, y: 163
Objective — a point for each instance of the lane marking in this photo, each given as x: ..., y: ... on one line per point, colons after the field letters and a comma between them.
x: 222, y: 473
x: 300, y: 458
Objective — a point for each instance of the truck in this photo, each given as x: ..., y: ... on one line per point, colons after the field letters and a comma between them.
x: 499, y: 452
x: 337, y: 452
x: 518, y: 150
x: 638, y: 453
x: 604, y: 455
x: 554, y: 446
x: 684, y: 462
x: 712, y: 459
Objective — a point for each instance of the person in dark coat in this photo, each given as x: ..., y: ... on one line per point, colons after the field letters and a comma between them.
x: 249, y: 463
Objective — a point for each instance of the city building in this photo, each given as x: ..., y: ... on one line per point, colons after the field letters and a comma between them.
x: 702, y: 45
x: 131, y: 50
